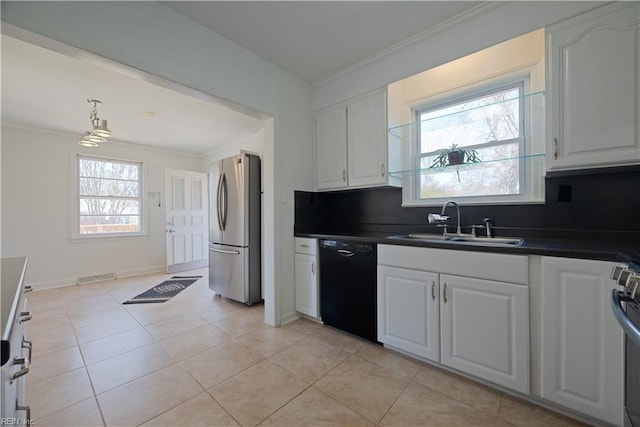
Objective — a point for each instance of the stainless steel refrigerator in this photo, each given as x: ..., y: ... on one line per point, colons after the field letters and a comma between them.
x: 234, y: 228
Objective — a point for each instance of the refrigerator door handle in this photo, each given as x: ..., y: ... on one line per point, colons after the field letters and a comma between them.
x: 222, y: 251
x: 225, y: 203
x: 219, y: 203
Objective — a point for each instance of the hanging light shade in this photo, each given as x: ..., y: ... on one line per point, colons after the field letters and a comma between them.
x: 99, y: 130
x: 103, y: 130
x: 91, y: 140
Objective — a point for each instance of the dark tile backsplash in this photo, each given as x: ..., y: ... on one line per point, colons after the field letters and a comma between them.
x: 588, y: 206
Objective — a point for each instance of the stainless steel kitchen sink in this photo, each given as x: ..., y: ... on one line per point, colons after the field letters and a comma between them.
x: 469, y: 240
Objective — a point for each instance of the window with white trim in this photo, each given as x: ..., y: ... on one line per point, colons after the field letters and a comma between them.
x: 109, y: 197
x: 492, y: 123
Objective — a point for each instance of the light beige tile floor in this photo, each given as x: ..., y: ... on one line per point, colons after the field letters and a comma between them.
x: 200, y: 360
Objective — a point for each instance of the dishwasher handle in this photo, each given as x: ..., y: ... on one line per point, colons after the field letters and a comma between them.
x: 345, y: 253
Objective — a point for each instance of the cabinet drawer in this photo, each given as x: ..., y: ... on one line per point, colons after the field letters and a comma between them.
x: 482, y: 265
x: 305, y: 245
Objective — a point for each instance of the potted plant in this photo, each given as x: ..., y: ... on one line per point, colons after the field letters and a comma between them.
x: 455, y: 155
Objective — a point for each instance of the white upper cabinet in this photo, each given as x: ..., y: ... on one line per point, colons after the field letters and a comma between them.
x: 351, y: 144
x: 593, y: 76
x: 331, y: 148
x: 367, y: 140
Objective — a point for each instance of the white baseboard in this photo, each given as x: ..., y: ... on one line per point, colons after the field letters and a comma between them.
x: 193, y: 265
x: 73, y: 281
x: 142, y: 271
x: 62, y: 283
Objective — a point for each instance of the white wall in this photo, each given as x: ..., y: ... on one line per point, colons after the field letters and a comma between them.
x: 490, y: 24
x: 521, y: 55
x: 252, y: 143
x: 37, y: 207
x: 154, y: 38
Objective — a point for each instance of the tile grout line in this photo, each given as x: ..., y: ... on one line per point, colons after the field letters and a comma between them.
x: 399, y: 394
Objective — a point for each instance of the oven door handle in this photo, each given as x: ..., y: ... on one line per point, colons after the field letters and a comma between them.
x: 632, y: 330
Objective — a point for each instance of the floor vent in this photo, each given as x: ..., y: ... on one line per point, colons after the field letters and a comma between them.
x: 96, y: 278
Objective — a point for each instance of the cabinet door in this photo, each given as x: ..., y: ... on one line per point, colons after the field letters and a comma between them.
x: 306, y: 284
x: 408, y: 313
x: 331, y: 148
x: 594, y: 80
x: 367, y: 140
x: 582, y: 345
x: 485, y: 330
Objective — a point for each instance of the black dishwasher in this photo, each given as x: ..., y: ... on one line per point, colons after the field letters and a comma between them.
x: 348, y: 291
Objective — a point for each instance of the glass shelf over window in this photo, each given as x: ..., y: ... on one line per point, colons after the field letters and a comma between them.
x: 535, y: 102
x: 530, y: 158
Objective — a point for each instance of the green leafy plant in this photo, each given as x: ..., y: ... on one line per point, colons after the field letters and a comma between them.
x: 455, y: 155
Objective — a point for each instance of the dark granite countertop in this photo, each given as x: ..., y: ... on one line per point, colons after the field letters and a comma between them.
x: 11, y: 281
x: 585, y: 249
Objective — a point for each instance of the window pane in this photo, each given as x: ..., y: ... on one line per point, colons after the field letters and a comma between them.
x: 108, y: 169
x: 108, y: 207
x: 109, y: 187
x: 178, y: 193
x: 493, y: 178
x: 494, y: 117
x: 196, y: 194
x: 109, y: 224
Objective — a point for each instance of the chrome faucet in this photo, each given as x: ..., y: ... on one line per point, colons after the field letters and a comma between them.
x: 443, y: 218
x: 444, y: 207
x: 487, y: 224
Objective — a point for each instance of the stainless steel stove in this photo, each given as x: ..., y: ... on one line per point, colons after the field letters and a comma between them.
x: 625, y: 303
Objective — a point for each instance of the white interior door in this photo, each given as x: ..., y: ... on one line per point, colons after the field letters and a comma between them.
x: 187, y: 214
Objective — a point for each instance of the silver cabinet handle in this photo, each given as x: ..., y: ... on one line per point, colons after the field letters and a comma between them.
x: 313, y: 268
x: 26, y: 408
x: 433, y: 290
x: 28, y: 289
x: 344, y: 175
x: 24, y: 368
x: 382, y: 169
x: 444, y: 293
x: 28, y: 345
x: 25, y: 316
x: 304, y: 246
x: 555, y: 148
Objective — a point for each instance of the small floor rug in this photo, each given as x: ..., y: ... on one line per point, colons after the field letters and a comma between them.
x: 165, y: 290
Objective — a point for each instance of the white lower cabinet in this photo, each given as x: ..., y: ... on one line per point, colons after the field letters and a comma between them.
x: 306, y: 277
x: 477, y: 326
x: 409, y: 311
x: 484, y: 330
x: 581, y: 343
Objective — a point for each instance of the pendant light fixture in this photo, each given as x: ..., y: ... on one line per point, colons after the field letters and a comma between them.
x: 99, y: 131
